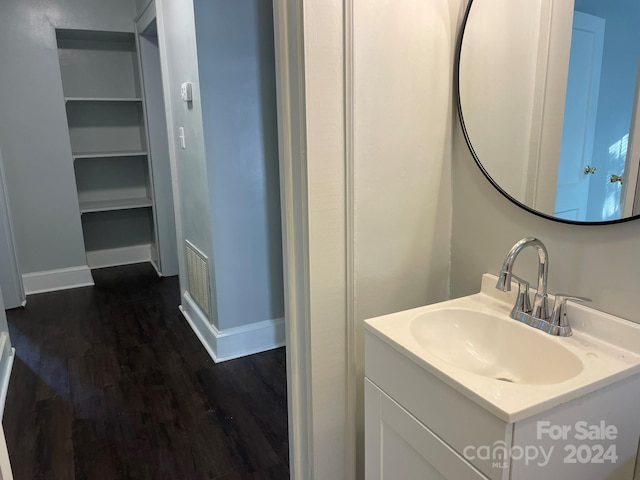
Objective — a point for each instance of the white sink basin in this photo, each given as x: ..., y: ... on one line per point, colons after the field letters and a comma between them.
x: 509, y: 368
x: 493, y: 346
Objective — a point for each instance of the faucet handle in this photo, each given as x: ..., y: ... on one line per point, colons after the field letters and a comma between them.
x: 523, y: 302
x: 559, y: 314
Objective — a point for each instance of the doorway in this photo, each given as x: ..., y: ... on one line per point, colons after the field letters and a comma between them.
x: 581, y: 109
x: 151, y: 72
x: 150, y: 48
x: 600, y: 157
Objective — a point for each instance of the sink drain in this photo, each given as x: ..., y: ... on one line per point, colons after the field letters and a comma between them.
x: 504, y: 379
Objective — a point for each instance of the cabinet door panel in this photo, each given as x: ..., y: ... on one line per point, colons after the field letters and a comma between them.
x: 399, y: 446
x: 400, y: 459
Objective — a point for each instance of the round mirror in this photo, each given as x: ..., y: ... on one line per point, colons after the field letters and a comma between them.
x: 548, y: 97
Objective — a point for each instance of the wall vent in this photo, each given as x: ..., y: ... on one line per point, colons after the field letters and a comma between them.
x: 198, y: 278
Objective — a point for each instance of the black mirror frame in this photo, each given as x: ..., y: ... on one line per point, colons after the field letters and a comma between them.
x: 475, y: 155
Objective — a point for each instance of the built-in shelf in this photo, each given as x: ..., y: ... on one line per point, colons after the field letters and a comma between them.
x: 101, y: 99
x: 108, y: 136
x: 77, y: 155
x: 114, y: 204
x: 106, y: 126
x: 88, y: 36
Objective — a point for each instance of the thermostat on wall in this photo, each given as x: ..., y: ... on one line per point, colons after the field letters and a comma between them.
x: 186, y: 92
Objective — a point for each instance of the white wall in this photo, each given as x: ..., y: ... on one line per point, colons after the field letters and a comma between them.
x: 500, y: 128
x: 376, y: 82
x: 237, y: 83
x: 402, y: 84
x: 33, y: 133
x: 141, y: 4
x: 600, y: 262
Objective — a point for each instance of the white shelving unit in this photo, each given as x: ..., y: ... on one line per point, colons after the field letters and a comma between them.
x: 107, y: 131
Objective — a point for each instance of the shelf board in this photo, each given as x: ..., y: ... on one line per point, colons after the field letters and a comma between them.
x: 95, y: 35
x: 124, y: 153
x: 102, y: 99
x: 114, y: 204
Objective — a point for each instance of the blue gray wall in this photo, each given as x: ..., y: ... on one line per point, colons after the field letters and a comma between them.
x: 179, y: 59
x: 237, y: 84
x: 33, y: 132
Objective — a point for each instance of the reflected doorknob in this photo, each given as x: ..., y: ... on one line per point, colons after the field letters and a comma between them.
x: 589, y: 170
x: 615, y: 178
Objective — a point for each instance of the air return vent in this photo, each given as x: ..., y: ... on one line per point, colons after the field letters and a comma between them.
x: 198, y: 274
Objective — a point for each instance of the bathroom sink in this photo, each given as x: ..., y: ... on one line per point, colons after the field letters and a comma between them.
x: 494, y: 346
x: 510, y: 369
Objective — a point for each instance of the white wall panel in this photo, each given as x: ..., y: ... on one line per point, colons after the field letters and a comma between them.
x: 402, y: 112
x: 324, y: 85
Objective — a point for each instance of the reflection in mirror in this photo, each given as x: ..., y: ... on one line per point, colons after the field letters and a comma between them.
x: 549, y: 96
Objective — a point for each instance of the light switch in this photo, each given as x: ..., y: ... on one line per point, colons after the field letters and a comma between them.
x: 186, y: 92
x: 183, y: 142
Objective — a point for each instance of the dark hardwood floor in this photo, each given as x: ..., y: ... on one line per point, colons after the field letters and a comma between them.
x: 109, y: 382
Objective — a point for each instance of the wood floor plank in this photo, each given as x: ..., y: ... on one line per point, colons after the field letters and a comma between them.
x: 54, y: 439
x: 19, y: 420
x: 110, y: 382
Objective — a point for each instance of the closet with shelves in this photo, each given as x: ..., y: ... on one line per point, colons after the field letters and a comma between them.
x: 105, y: 108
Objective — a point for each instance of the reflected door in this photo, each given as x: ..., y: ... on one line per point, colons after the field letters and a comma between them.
x: 629, y: 200
x: 581, y: 109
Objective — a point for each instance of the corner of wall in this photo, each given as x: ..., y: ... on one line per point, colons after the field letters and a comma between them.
x: 223, y: 345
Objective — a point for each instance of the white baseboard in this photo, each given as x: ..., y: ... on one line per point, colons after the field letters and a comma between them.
x: 155, y: 259
x: 6, y: 365
x: 199, y: 324
x: 156, y: 268
x: 114, y: 257
x: 59, y: 279
x: 234, y: 342
x: 248, y: 339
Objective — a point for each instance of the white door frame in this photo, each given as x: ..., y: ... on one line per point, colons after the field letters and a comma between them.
x: 150, y: 11
x: 630, y: 195
x: 321, y: 426
x: 141, y: 23
x: 293, y: 198
x: 15, y: 296
x: 552, y: 73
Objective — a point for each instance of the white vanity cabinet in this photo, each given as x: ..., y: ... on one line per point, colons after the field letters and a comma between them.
x: 418, y: 426
x: 415, y: 424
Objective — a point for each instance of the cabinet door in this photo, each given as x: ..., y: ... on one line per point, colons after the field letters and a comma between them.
x: 397, y: 445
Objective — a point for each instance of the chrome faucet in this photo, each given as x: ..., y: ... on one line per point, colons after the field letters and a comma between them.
x: 540, y: 307
x: 538, y: 315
